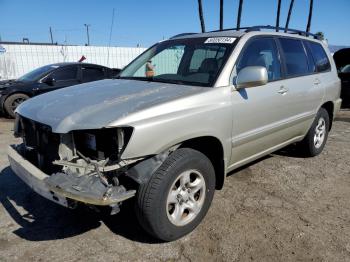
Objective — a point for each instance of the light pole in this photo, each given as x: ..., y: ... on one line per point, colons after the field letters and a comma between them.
x: 87, y: 33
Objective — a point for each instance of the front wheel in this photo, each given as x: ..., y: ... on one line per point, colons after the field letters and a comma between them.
x: 177, y: 196
x: 316, y: 138
x: 12, y: 102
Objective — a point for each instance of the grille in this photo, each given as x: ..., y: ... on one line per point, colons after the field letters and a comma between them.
x: 41, y: 144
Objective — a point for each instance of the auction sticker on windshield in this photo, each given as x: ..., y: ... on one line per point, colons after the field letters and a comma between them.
x: 220, y: 40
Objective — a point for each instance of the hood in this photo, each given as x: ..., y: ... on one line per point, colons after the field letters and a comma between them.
x: 8, y: 84
x: 96, y: 104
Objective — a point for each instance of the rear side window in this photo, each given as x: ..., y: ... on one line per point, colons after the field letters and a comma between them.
x: 295, y: 57
x: 92, y: 73
x: 320, y: 57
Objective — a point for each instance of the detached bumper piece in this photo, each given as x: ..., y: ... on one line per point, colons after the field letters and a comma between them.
x: 62, y: 188
x: 87, y: 189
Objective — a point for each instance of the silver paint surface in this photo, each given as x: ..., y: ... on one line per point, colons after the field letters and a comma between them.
x: 94, y: 105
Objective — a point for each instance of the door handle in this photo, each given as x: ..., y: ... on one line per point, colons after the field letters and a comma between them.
x: 36, y: 89
x: 317, y: 81
x: 282, y: 90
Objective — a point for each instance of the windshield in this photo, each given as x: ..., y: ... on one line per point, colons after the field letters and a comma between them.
x: 36, y: 73
x: 195, y: 61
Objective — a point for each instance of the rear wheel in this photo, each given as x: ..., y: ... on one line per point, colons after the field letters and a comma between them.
x: 177, y: 196
x: 12, y: 102
x: 316, y: 138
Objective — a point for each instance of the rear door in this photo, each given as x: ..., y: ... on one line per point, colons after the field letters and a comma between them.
x: 260, y: 113
x: 92, y: 73
x: 303, y: 84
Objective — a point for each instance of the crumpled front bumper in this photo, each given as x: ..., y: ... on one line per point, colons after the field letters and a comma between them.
x: 40, y: 183
x: 33, y: 176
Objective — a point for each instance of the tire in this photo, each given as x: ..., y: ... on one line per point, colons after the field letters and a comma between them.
x: 12, y: 102
x: 313, y: 144
x: 156, y: 204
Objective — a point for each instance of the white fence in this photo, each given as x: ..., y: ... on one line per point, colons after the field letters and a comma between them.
x: 16, y: 60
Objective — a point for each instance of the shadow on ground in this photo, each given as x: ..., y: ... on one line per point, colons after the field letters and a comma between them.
x: 45, y: 220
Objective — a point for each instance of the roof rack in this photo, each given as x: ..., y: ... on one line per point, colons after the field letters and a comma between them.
x: 183, y: 34
x: 269, y: 27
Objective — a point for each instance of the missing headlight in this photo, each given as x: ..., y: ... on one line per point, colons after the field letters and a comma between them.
x: 104, y: 143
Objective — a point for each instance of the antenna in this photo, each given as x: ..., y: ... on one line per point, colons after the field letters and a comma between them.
x: 201, y: 18
x: 289, y: 14
x: 239, y: 14
x: 278, y: 15
x: 221, y: 14
x: 310, y: 16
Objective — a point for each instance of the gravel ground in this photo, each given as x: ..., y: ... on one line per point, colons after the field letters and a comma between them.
x: 281, y: 208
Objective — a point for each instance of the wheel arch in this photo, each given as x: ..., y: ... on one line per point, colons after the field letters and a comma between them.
x: 213, y: 149
x: 329, y: 107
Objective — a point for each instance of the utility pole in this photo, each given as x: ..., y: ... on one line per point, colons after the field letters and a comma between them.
x: 51, y: 35
x: 110, y: 37
x: 87, y: 33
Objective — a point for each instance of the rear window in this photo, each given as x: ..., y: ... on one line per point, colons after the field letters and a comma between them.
x: 320, y: 57
x: 295, y: 57
x: 206, y: 53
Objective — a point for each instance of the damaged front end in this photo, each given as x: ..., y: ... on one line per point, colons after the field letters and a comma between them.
x: 82, y: 166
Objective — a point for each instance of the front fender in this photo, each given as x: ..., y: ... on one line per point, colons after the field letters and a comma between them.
x: 208, y: 114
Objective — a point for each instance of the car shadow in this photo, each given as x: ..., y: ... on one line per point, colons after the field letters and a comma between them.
x: 40, y: 219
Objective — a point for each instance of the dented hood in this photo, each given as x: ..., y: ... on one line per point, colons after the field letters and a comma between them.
x: 96, y: 104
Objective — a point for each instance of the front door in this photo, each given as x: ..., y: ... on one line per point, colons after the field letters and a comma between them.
x: 259, y: 113
x: 62, y: 77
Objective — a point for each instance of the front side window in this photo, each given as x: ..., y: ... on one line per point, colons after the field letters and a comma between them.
x: 320, y: 57
x: 195, y: 61
x: 295, y: 57
x: 261, y: 52
x: 64, y: 74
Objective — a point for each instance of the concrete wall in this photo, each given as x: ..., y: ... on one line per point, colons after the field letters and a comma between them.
x: 16, y: 60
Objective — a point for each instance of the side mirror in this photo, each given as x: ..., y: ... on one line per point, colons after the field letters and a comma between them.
x: 251, y: 76
x: 49, y: 81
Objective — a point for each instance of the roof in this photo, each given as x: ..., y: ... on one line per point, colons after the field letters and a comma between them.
x: 73, y: 63
x: 227, y: 33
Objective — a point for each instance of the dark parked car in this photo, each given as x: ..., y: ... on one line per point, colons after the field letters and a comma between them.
x: 342, y: 60
x: 48, y: 78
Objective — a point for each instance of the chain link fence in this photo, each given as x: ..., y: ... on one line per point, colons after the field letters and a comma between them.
x: 18, y: 59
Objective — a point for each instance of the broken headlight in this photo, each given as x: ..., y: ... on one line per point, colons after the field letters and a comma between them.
x: 100, y: 144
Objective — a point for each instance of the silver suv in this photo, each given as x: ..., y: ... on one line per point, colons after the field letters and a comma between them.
x: 178, y: 118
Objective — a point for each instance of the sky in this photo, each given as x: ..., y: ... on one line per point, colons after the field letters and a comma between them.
x: 146, y: 22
